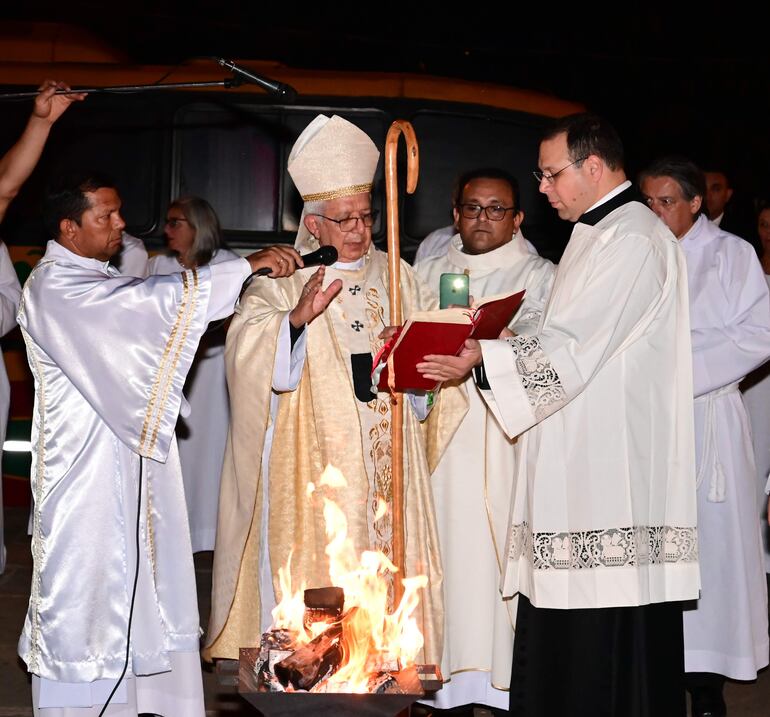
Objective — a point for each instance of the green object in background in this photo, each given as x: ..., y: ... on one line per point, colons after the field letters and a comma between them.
x: 453, y: 290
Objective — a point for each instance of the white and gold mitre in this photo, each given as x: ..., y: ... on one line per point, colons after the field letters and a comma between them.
x: 332, y: 158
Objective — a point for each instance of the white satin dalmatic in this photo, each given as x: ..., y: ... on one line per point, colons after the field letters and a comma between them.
x: 109, y: 355
x: 730, y: 321
x: 756, y: 396
x: 603, y: 511
x: 202, y: 435
x: 10, y: 292
x: 472, y: 488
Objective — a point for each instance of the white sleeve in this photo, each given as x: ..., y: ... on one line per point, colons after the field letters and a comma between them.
x: 227, y: 278
x: 126, y: 344
x: 538, y: 287
x: 10, y: 291
x: 531, y: 377
x: 421, y: 403
x: 739, y: 340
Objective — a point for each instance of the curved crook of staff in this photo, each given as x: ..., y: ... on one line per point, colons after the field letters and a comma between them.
x: 398, y: 128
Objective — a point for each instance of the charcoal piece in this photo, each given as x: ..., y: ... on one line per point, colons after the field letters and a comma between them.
x: 384, y: 683
x: 312, y: 662
x: 277, y: 640
x: 325, y: 598
x: 323, y: 605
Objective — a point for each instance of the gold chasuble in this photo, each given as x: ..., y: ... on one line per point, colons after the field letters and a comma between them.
x: 321, y: 422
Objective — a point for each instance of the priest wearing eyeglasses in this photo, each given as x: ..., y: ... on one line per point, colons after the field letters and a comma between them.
x: 725, y: 632
x: 472, y: 484
x: 602, y: 540
x: 299, y: 358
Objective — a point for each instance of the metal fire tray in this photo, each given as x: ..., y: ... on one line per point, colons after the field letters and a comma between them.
x: 290, y: 704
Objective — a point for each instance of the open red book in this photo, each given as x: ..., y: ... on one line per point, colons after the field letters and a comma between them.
x: 440, y: 332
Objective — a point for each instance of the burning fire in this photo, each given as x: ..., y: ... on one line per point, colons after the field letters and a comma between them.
x: 372, y: 639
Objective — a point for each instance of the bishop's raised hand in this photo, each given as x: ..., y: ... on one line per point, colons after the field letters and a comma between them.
x: 313, y: 300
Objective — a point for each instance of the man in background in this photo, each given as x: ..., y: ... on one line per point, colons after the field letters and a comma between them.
x: 602, y: 543
x: 730, y: 330
x: 723, y: 208
x: 472, y: 484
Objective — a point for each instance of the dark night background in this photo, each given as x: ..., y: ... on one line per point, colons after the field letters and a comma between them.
x: 684, y: 78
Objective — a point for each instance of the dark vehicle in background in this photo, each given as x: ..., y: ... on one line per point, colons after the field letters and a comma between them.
x: 231, y: 147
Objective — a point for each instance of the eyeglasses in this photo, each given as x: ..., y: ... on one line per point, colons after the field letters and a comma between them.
x: 548, y: 177
x: 665, y: 202
x: 494, y: 212
x: 174, y: 222
x: 349, y: 224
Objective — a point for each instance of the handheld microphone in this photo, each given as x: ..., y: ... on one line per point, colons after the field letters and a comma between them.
x: 286, y: 92
x: 326, y: 255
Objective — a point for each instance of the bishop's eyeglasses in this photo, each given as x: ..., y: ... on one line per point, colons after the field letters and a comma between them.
x: 349, y: 224
x: 494, y: 212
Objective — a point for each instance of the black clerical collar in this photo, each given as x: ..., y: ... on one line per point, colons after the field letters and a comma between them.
x: 594, y: 216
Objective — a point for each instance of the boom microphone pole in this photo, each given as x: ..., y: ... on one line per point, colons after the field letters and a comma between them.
x: 284, y: 92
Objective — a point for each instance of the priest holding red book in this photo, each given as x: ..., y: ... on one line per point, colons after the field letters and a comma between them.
x: 602, y: 539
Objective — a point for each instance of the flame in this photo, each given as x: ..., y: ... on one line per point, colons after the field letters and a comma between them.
x: 288, y: 613
x: 371, y: 635
x: 332, y: 477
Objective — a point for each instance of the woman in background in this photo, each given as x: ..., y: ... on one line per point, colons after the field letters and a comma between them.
x: 194, y: 238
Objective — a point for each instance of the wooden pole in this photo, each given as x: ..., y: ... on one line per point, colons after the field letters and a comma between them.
x: 396, y: 319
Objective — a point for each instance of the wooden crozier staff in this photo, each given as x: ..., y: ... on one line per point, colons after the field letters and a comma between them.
x: 396, y: 319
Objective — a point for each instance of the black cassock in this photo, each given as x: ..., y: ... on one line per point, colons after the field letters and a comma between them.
x: 599, y: 662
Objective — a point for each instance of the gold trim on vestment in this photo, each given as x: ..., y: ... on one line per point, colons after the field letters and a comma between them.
x: 476, y: 669
x: 150, y: 528
x: 380, y: 446
x: 180, y: 345
x: 162, y: 366
x: 337, y: 193
x: 305, y: 438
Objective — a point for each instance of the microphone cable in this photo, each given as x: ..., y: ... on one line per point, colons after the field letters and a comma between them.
x: 133, y: 594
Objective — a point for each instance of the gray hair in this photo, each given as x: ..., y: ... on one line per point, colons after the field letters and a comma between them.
x: 683, y: 171
x: 205, y: 223
x: 316, y: 207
